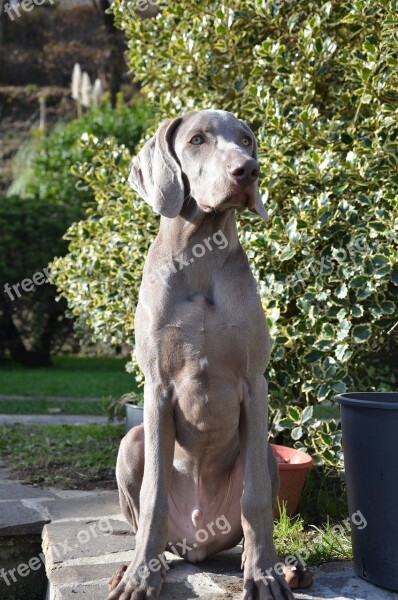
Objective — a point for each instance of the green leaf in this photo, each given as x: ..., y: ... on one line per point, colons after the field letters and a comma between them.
x: 365, y: 73
x: 339, y: 387
x: 341, y: 291
x: 388, y: 307
x: 297, y: 433
x: 318, y: 44
x: 358, y: 281
x: 357, y: 310
x: 293, y: 413
x: 287, y: 253
x: 343, y: 352
x: 361, y: 333
x: 379, y: 260
x: 307, y: 414
x: 377, y: 225
x: 312, y: 356
x: 323, y: 392
x: 239, y: 84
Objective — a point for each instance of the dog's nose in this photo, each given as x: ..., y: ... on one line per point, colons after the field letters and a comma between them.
x: 244, y: 171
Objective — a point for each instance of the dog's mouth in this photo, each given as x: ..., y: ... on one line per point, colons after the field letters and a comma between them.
x: 206, y: 207
x: 240, y: 200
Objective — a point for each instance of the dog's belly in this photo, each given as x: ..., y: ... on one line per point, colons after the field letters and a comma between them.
x: 204, y: 515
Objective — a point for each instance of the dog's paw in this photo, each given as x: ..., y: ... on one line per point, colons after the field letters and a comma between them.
x: 131, y: 584
x: 265, y: 584
x: 298, y: 576
x: 116, y: 578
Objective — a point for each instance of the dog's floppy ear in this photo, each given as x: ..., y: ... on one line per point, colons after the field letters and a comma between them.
x: 259, y: 207
x: 155, y: 173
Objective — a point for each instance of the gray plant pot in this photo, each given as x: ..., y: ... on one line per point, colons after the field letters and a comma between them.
x: 134, y: 415
x: 369, y: 424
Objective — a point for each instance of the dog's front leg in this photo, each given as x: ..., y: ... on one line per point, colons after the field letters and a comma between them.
x: 261, y: 564
x: 144, y: 576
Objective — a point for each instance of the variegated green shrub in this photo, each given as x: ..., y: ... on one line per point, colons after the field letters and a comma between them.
x: 318, y: 83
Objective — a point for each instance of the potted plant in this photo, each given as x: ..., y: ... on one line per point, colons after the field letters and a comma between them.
x: 293, y: 468
x: 129, y: 406
x: 134, y: 411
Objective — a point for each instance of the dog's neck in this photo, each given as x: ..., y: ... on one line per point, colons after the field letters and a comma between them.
x: 193, y: 226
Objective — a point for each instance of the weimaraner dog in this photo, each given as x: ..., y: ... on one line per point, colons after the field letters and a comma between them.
x: 200, y: 473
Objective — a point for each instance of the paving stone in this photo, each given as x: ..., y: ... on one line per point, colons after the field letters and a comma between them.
x: 85, y: 592
x: 54, y: 419
x: 231, y: 584
x: 170, y: 591
x: 334, y: 581
x: 337, y: 580
x: 224, y: 563
x: 17, y: 519
x: 77, y: 575
x: 184, y: 582
x: 197, y: 587
x: 202, y: 580
x: 67, y: 494
x: 12, y: 490
x: 97, y: 504
x: 50, y: 398
x: 81, y: 540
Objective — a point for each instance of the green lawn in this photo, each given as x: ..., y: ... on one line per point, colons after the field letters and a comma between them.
x: 78, y: 377
x: 64, y: 456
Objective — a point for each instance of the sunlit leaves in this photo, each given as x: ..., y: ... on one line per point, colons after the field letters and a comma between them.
x: 318, y: 84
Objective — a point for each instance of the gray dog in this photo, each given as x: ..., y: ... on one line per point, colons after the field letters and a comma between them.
x: 203, y: 474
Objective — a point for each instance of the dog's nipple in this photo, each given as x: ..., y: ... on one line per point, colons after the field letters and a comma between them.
x: 197, y: 517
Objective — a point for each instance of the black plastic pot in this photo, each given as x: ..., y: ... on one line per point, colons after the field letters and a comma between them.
x: 134, y: 415
x: 370, y: 444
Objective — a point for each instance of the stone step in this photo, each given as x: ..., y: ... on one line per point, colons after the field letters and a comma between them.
x: 82, y: 553
x: 86, y: 539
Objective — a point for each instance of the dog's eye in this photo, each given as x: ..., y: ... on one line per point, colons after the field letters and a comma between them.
x: 247, y: 141
x: 197, y: 140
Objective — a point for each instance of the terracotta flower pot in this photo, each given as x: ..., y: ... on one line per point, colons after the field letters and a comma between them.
x: 293, y: 468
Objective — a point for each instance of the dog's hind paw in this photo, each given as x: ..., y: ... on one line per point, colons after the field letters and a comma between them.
x: 116, y: 578
x: 298, y: 576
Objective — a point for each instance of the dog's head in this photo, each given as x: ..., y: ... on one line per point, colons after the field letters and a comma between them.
x: 208, y: 155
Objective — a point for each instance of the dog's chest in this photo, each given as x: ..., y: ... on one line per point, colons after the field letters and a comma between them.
x: 204, y: 336
x: 207, y: 337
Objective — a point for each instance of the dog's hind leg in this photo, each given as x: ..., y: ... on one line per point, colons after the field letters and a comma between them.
x: 129, y: 474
